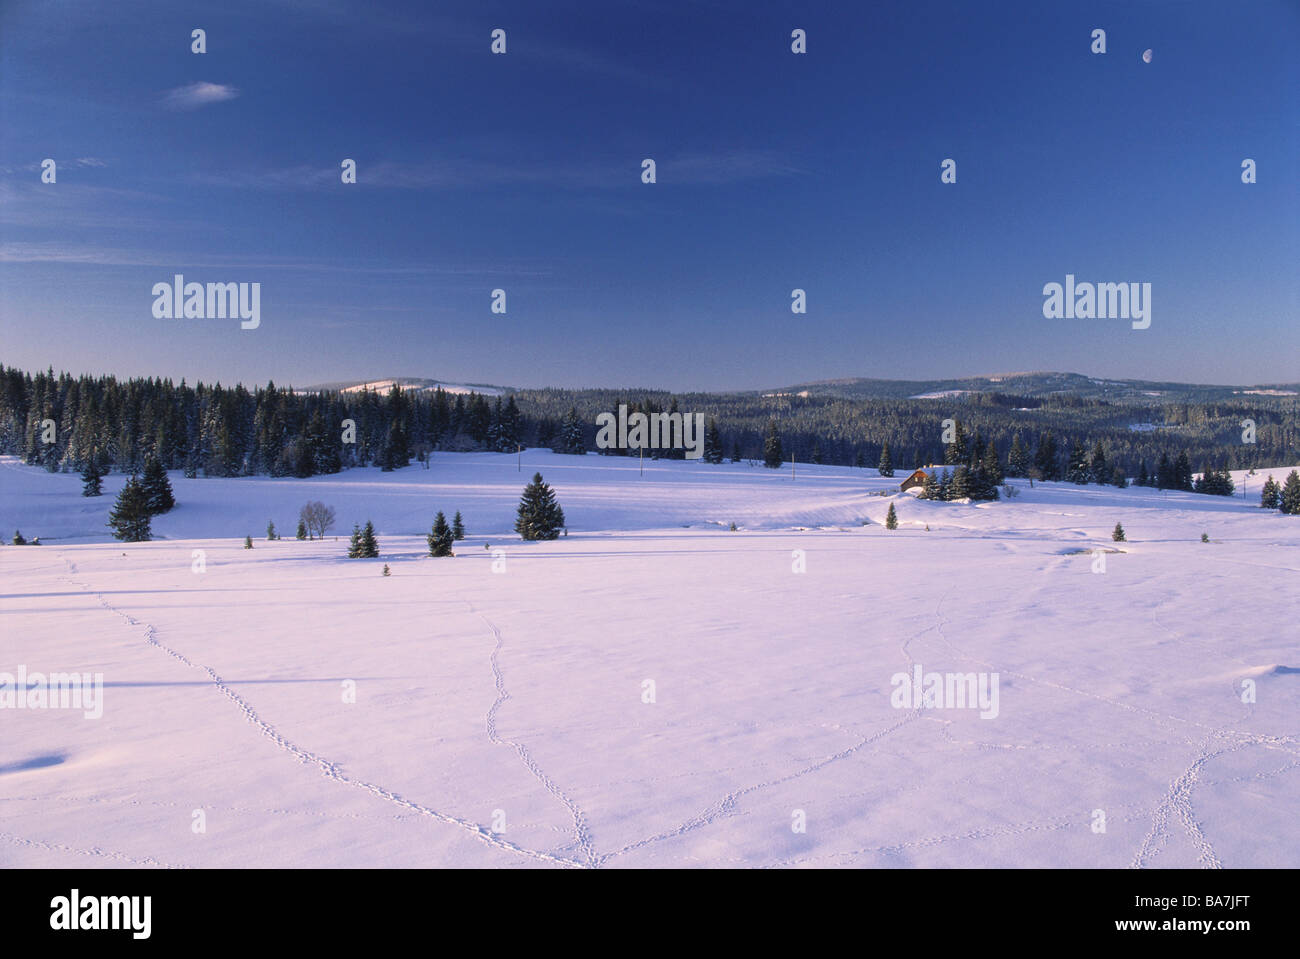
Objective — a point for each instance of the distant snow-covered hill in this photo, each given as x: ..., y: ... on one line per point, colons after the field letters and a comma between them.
x: 411, y: 383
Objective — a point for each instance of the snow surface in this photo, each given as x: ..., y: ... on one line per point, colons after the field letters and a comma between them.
x: 519, y: 695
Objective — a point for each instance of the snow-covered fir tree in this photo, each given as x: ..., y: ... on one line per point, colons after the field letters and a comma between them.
x: 92, y: 478
x: 1270, y: 495
x: 1290, y: 496
x: 440, y: 537
x: 886, y: 466
x: 157, y: 488
x: 539, y: 515
x: 369, y: 545
x: 129, y: 518
x: 571, y: 434
x: 712, y: 442
x: 773, y: 455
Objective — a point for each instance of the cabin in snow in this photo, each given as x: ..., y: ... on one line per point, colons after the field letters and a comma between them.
x: 918, y: 477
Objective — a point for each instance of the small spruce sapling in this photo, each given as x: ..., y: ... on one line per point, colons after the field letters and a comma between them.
x: 1117, y: 535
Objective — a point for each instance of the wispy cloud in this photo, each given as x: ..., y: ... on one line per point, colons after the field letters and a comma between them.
x: 726, y: 167
x: 75, y: 254
x: 195, y: 95
x: 465, y: 172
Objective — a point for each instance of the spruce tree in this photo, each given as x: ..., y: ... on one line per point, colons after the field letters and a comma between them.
x: 1118, y: 479
x: 1078, y: 472
x: 886, y: 467
x: 930, y: 488
x: 508, y: 426
x: 1118, y: 533
x: 1164, y: 472
x: 248, y: 542
x: 539, y: 515
x: 19, y: 539
x: 773, y: 455
x: 1018, y: 458
x: 1183, y: 472
x: 959, y: 487
x: 1290, y: 498
x: 1101, y: 473
x: 92, y: 478
x: 369, y: 545
x: 1046, y: 458
x: 270, y: 530
x: 441, y: 538
x: 129, y: 518
x: 354, y: 545
x: 157, y: 488
x: 1142, y: 478
x: 571, y: 434
x: 302, y: 530
x: 891, y: 518
x: 1270, y: 497
x: 457, y: 527
x: 945, y: 486
x: 958, y: 451
x: 712, y: 442
x: 992, y: 468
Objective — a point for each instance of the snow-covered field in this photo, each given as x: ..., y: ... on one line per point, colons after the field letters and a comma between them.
x: 500, y: 714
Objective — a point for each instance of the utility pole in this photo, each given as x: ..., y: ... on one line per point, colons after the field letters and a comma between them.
x: 520, y: 451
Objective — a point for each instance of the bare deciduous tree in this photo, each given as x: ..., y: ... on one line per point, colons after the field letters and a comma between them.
x: 317, y: 517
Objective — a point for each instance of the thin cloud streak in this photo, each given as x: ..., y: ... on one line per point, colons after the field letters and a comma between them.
x: 73, y: 255
x: 195, y: 95
x: 713, y: 169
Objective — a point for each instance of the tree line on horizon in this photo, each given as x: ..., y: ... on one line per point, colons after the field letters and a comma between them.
x: 234, y: 431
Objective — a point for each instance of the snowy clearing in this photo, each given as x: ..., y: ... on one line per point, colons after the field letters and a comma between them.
x: 499, y: 715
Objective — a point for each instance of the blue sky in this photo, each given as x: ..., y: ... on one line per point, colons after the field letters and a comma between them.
x: 775, y: 171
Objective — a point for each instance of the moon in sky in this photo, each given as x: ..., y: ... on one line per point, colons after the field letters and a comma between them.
x: 1146, y: 56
